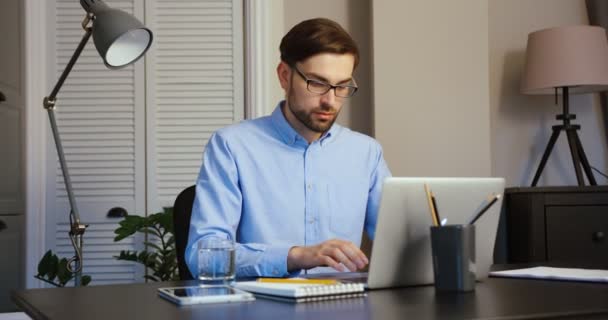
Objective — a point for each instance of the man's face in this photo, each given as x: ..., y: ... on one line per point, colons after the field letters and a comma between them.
x: 313, y: 113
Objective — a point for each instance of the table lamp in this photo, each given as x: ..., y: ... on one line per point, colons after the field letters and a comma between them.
x: 120, y: 39
x: 566, y: 60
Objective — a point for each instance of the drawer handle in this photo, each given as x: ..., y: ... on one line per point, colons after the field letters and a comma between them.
x: 2, y: 225
x: 598, y: 236
x: 117, y: 212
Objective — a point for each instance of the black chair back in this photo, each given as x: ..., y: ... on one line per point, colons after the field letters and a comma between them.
x: 182, y: 210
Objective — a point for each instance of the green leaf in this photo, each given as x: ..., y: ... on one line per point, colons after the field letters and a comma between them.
x: 134, y: 221
x: 44, y: 264
x: 120, y: 235
x: 85, y: 280
x: 128, y: 226
x: 166, y: 220
x: 63, y: 274
x: 53, y: 267
x: 127, y: 255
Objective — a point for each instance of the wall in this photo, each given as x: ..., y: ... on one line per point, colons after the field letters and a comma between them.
x: 447, y: 98
x: 521, y: 125
x: 431, y: 86
x: 354, y: 16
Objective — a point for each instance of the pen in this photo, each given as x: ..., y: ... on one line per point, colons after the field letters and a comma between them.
x: 431, y: 206
x: 436, y: 209
x: 298, y: 280
x: 482, y: 211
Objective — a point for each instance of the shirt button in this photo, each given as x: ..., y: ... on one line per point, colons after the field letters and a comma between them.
x: 309, y: 186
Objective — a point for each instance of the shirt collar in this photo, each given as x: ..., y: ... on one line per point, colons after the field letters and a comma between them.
x: 289, y: 134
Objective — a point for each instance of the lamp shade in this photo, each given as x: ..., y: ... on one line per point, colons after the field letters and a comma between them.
x: 119, y: 37
x: 572, y: 56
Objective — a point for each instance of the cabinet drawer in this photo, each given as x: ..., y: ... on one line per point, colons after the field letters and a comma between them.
x: 577, y: 234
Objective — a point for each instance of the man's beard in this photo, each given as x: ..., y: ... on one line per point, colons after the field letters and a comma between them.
x: 306, y: 118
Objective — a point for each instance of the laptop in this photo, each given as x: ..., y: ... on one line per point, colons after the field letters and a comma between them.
x: 401, y: 251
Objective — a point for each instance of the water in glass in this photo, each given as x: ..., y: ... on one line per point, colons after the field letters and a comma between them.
x: 216, y: 261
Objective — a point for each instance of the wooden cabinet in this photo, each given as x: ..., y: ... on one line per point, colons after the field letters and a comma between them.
x: 11, y: 247
x: 564, y: 225
x: 12, y: 140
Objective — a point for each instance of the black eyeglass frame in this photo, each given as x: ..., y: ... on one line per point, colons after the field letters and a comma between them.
x: 327, y: 87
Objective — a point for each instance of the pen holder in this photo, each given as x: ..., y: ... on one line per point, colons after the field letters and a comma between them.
x: 453, y: 248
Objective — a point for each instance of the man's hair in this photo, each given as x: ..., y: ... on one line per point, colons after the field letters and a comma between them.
x: 315, y: 36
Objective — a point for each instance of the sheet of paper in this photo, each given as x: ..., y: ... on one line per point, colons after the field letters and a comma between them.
x: 593, y: 275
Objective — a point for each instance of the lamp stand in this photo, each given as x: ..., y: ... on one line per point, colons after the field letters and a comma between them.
x: 576, y: 147
x: 77, y: 229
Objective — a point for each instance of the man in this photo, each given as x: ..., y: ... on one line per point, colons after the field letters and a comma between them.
x: 294, y: 189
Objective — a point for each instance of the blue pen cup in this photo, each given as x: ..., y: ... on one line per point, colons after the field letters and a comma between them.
x: 453, y: 249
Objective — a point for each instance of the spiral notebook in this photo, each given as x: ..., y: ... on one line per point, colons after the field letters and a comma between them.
x: 305, y: 292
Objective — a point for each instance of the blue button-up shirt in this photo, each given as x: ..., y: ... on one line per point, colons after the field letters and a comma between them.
x: 265, y: 186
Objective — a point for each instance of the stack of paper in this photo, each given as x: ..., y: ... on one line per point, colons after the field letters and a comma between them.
x: 549, y: 273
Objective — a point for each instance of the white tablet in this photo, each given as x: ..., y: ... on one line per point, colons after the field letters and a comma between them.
x: 204, y: 294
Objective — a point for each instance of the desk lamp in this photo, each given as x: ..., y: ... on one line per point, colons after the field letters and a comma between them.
x: 566, y: 60
x: 120, y: 39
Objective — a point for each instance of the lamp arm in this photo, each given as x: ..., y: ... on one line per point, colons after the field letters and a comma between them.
x: 68, y: 68
x: 76, y: 228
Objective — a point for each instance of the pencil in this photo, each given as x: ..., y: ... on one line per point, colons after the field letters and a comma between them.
x: 298, y: 280
x: 430, y: 200
x: 482, y: 211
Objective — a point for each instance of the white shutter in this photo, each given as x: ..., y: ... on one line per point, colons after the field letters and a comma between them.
x: 129, y: 136
x: 100, y: 116
x: 195, y: 86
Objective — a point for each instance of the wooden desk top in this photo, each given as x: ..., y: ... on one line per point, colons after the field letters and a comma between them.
x: 494, y: 298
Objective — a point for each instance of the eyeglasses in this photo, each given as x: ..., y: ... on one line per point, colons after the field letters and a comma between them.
x: 320, y: 87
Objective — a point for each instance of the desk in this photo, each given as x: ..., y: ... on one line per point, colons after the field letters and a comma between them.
x: 494, y: 298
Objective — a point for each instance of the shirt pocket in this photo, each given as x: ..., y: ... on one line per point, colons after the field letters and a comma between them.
x: 348, y: 205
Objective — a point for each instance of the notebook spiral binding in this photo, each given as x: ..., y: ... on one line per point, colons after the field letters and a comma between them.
x: 328, y: 290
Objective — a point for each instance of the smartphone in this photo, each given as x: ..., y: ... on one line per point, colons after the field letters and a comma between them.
x: 204, y: 294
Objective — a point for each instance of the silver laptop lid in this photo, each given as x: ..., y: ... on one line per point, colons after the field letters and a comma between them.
x: 401, y: 252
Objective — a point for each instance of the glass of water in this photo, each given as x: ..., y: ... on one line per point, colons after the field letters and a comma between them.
x: 216, y: 260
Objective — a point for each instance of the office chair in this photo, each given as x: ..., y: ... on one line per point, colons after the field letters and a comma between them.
x: 182, y: 210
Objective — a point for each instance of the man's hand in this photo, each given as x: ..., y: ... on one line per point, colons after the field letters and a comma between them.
x: 333, y: 253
